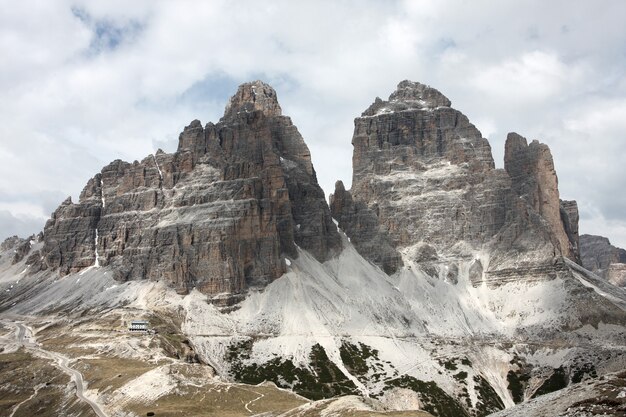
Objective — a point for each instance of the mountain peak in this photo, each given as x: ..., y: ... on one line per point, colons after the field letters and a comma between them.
x: 409, y: 95
x: 411, y: 91
x: 253, y: 96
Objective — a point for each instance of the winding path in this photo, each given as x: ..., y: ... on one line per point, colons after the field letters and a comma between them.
x: 25, y: 338
x: 249, y: 403
x: 17, y: 406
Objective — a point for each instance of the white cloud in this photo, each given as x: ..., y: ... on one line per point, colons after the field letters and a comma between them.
x: 594, y: 220
x: 602, y: 117
x: 532, y: 77
x: 24, y: 208
x: 22, y: 225
x: 486, y: 126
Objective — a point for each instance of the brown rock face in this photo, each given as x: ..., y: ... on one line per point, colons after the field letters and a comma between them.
x: 599, y: 256
x: 426, y: 174
x: 218, y: 215
x: 533, y: 177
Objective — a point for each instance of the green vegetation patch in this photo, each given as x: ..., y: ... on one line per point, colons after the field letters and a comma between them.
x: 517, y: 382
x: 579, y: 372
x: 488, y: 400
x: 461, y: 377
x: 435, y: 400
x: 518, y: 378
x: 557, y: 381
x: 363, y: 362
x: 449, y: 364
x: 322, y: 380
x: 355, y: 357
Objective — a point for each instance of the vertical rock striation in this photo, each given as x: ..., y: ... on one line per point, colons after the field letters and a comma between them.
x: 219, y: 214
x: 425, y: 186
x: 370, y: 239
x: 413, y: 158
x: 533, y: 178
x: 599, y: 256
x: 570, y: 217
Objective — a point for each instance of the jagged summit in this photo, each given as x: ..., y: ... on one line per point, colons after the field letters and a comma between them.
x: 448, y: 284
x: 220, y: 214
x: 534, y: 178
x: 425, y: 186
x: 409, y: 95
x: 252, y: 96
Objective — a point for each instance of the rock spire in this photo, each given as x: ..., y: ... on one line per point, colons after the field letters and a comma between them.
x: 425, y: 186
x: 220, y: 214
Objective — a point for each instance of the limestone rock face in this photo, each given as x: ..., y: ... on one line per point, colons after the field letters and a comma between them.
x: 409, y: 95
x: 413, y: 158
x: 599, y: 256
x: 426, y: 174
x: 410, y: 131
x: 251, y: 97
x: 219, y: 215
x: 617, y: 274
x: 533, y: 177
x: 570, y: 218
x: 358, y: 220
x: 10, y: 243
x: 18, y: 247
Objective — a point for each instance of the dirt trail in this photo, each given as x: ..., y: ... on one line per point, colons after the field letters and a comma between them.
x: 25, y: 338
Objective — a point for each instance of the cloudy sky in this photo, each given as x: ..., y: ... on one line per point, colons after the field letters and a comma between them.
x: 86, y: 82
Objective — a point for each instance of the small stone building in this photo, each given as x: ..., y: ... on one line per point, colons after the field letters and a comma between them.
x: 138, y: 326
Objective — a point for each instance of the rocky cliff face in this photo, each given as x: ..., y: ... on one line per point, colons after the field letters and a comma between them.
x: 570, y: 217
x: 220, y: 214
x: 427, y: 174
x: 482, y: 309
x: 533, y: 178
x: 19, y: 248
x: 599, y: 256
x: 362, y: 223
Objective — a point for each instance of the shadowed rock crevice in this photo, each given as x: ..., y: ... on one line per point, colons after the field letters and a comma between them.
x: 570, y: 218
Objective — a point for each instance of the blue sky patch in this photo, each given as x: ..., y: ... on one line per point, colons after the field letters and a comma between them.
x: 108, y: 34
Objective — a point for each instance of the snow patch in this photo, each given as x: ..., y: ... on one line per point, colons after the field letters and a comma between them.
x: 97, y: 261
x: 104, y: 204
x: 157, y: 166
